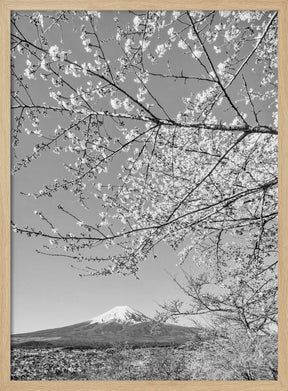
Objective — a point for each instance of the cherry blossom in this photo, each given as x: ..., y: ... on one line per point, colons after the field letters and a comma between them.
x: 166, y: 132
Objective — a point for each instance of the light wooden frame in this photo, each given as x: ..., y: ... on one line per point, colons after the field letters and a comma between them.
x: 5, y: 383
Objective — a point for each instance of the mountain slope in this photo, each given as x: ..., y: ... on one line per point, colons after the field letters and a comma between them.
x: 121, y: 324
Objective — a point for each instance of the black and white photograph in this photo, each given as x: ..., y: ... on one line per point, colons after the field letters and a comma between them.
x: 144, y: 195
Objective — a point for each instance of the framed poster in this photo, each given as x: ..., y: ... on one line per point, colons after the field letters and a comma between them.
x: 142, y: 140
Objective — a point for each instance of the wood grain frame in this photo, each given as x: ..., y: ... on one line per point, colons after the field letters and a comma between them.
x: 5, y: 383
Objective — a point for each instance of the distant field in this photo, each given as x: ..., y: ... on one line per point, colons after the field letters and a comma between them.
x: 160, y: 363
x: 123, y: 362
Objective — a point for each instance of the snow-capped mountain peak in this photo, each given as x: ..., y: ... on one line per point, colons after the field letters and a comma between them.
x: 121, y: 314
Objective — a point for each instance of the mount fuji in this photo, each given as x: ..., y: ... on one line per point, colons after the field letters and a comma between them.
x: 121, y: 324
x: 121, y: 314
